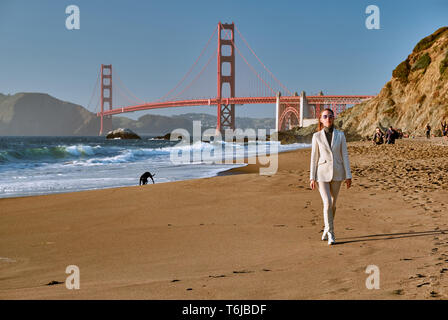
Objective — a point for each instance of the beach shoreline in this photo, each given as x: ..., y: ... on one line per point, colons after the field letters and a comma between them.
x: 239, y: 235
x: 32, y: 166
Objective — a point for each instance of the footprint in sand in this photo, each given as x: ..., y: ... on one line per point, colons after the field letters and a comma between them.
x: 434, y: 294
x: 242, y: 271
x: 422, y: 284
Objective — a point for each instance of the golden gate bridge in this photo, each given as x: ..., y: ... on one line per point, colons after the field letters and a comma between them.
x: 257, y: 85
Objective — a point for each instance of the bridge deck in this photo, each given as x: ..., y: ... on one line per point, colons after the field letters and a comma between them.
x: 341, y: 99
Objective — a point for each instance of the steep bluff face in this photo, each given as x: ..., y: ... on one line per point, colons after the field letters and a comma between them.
x: 416, y: 95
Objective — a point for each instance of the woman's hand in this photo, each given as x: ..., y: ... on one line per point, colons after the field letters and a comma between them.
x: 348, y: 182
x: 312, y: 184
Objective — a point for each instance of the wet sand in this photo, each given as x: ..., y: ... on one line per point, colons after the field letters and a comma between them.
x: 240, y: 236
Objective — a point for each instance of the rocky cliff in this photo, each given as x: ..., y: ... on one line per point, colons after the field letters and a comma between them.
x: 416, y: 95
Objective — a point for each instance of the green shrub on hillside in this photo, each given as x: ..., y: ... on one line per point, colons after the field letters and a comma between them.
x: 422, y: 62
x: 401, y: 72
x: 427, y: 42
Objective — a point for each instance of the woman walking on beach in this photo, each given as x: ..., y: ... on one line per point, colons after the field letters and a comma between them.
x: 329, y: 167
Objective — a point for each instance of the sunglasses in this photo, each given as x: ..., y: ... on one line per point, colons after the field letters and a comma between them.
x: 329, y: 116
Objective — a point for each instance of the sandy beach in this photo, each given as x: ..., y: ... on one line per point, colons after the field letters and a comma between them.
x: 240, y: 236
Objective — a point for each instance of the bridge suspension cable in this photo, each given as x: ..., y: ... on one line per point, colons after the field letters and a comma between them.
x: 253, y: 70
x: 198, y: 75
x: 189, y: 71
x: 253, y: 52
x: 94, y: 91
x: 288, y: 105
x: 127, y: 91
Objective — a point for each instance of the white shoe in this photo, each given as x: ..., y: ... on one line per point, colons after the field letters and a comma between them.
x: 331, y: 239
x: 324, y: 236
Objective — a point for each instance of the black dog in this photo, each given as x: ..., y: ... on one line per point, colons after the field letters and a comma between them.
x: 145, y: 176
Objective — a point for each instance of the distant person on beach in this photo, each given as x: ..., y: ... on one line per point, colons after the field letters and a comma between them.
x: 444, y: 129
x: 329, y: 167
x: 144, y: 178
x: 428, y: 131
x: 378, y: 137
x: 390, y: 136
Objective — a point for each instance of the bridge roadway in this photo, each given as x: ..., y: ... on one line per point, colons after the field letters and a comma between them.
x: 311, y: 100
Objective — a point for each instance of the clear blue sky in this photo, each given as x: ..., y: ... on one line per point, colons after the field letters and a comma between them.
x: 308, y: 45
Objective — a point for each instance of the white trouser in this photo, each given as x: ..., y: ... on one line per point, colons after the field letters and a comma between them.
x: 329, y: 192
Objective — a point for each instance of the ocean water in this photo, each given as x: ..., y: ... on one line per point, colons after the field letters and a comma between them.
x: 44, y: 165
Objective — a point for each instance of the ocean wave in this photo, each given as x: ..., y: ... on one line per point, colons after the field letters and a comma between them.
x: 83, y: 154
x: 48, y: 153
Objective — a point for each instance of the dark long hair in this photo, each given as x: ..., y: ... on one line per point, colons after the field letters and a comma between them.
x: 320, y: 126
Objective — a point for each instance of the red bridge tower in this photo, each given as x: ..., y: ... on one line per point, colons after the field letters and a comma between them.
x: 106, y: 97
x: 226, y: 112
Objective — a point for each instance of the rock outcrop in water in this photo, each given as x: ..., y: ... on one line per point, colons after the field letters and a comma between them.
x: 122, y: 133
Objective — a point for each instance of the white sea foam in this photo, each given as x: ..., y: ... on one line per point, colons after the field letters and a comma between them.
x: 74, y: 166
x: 80, y: 150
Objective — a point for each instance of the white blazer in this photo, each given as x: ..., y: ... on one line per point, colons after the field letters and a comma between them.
x: 327, y: 163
